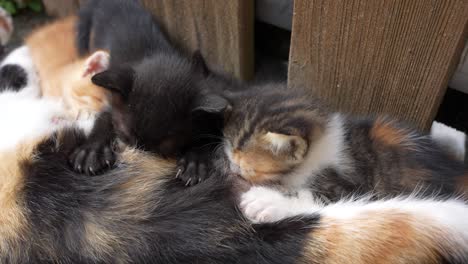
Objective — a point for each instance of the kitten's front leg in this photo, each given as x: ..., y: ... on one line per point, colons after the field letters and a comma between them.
x: 263, y: 204
x: 194, y: 167
x: 96, y: 154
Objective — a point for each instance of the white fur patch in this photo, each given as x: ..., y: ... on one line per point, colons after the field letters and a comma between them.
x: 22, y: 58
x: 449, y: 138
x: 329, y: 151
x: 24, y: 115
x: 445, y: 222
x: 262, y: 204
x: 26, y: 118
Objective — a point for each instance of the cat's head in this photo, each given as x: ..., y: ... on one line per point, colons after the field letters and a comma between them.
x: 80, y: 93
x: 269, y: 132
x: 161, y: 99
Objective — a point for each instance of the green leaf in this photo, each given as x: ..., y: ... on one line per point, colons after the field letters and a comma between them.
x: 10, y: 7
x: 35, y: 6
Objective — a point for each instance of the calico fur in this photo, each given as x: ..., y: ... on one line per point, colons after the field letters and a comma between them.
x: 282, y: 136
x: 139, y: 213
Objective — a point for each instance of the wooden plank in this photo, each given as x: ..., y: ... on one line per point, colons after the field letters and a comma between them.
x: 380, y: 56
x: 61, y: 7
x: 222, y: 30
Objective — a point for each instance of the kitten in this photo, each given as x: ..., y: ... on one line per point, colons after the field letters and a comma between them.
x: 285, y: 137
x: 149, y: 78
x: 66, y: 76
x: 137, y: 213
x: 20, y: 97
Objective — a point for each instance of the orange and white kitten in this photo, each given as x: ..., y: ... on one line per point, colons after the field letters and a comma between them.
x: 67, y: 77
x: 64, y: 75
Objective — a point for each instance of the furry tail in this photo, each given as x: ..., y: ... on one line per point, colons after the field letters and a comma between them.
x: 392, y: 231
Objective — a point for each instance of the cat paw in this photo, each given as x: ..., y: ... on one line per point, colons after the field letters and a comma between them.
x: 193, y: 168
x: 262, y: 204
x: 92, y: 158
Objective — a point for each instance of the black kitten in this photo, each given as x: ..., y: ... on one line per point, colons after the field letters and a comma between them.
x: 161, y: 97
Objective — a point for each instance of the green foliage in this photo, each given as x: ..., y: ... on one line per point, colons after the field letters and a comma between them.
x: 13, y: 7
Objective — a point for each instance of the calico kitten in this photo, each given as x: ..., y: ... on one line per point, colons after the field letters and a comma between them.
x: 137, y: 213
x: 285, y: 137
x: 66, y: 76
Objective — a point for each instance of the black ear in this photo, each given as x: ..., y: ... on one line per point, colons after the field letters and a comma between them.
x: 212, y: 103
x: 199, y: 63
x: 117, y: 80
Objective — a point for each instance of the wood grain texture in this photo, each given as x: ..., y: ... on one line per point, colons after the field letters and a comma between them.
x: 61, y: 7
x: 222, y: 30
x: 367, y: 57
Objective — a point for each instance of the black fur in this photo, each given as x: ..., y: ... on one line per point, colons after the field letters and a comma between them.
x: 13, y: 77
x: 96, y: 154
x: 196, y: 225
x: 163, y: 95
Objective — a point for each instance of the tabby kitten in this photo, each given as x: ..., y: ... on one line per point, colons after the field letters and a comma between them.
x: 137, y: 213
x: 285, y: 137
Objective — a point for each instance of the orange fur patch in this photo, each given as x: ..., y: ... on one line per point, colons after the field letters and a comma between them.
x: 13, y: 222
x: 374, y: 237
x: 53, y: 47
x: 61, y: 70
x: 259, y: 165
x: 386, y: 133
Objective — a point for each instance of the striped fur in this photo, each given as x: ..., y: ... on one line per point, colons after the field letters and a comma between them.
x: 139, y: 213
x: 343, y: 155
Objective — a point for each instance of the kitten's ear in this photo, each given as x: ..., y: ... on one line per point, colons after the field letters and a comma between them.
x: 117, y: 80
x: 96, y: 63
x: 199, y: 64
x: 212, y: 103
x: 282, y: 143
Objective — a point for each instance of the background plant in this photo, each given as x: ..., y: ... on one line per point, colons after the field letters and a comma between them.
x: 14, y: 6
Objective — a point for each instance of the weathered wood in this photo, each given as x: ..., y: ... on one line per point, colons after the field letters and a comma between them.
x: 393, y: 57
x: 222, y: 30
x: 61, y: 7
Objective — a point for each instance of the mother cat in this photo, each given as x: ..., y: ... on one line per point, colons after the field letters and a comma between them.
x: 139, y: 213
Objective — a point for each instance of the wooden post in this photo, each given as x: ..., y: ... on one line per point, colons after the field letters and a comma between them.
x: 367, y: 57
x: 222, y: 30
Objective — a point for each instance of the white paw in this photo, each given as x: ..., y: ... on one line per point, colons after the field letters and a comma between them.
x: 261, y: 204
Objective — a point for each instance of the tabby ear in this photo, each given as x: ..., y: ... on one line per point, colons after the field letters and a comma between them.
x: 212, y: 103
x: 96, y: 63
x: 117, y: 80
x: 282, y: 143
x: 199, y: 64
